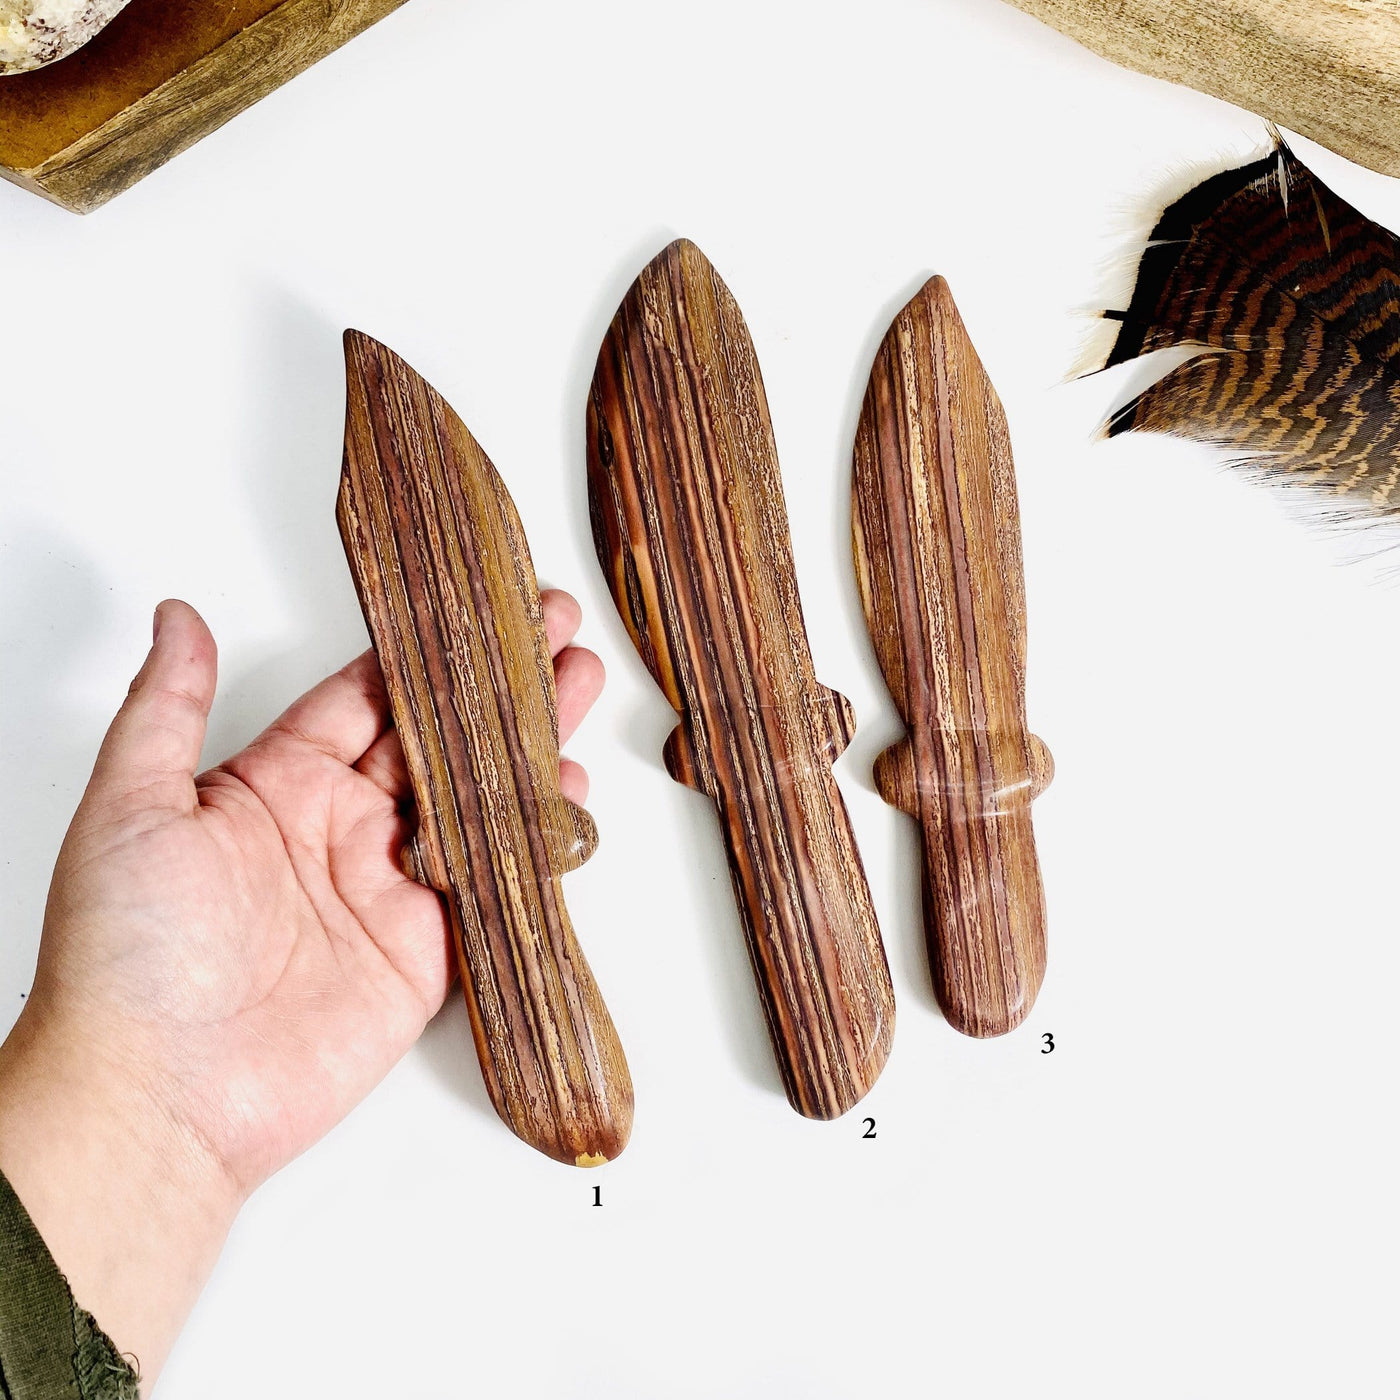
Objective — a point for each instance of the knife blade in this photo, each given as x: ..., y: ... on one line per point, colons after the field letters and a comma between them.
x: 692, y: 533
x: 449, y: 593
x: 937, y: 540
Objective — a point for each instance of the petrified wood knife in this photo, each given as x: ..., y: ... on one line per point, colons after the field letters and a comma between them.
x: 450, y: 596
x: 938, y: 559
x: 691, y: 530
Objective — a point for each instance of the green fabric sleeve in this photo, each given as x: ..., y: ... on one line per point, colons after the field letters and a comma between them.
x: 50, y: 1349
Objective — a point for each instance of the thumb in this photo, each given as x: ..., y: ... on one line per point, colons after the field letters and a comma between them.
x: 152, y: 749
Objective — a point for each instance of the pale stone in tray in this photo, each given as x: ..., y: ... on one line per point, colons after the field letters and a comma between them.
x: 36, y: 32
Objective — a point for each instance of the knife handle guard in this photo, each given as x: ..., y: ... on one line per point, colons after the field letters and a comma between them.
x: 832, y: 725
x: 898, y: 780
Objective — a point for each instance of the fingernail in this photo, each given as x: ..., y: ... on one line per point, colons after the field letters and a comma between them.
x: 155, y: 624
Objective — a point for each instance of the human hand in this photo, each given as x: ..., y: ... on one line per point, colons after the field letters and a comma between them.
x: 229, y: 963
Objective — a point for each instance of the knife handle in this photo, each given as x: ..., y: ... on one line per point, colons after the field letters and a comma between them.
x: 983, y: 905
x: 805, y: 905
x: 550, y: 1055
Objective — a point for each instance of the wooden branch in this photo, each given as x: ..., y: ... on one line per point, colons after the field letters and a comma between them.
x: 448, y: 590
x: 691, y: 530
x: 161, y: 76
x: 1328, y: 69
x: 938, y: 559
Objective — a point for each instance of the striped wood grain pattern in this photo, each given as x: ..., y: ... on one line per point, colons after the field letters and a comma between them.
x: 691, y: 530
x: 938, y: 558
x: 449, y: 592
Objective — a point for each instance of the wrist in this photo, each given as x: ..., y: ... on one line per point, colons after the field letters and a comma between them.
x: 132, y: 1207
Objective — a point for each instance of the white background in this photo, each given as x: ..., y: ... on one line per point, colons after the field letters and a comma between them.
x: 1194, y: 1194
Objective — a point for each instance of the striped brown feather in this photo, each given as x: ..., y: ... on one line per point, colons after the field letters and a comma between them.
x: 1293, y: 296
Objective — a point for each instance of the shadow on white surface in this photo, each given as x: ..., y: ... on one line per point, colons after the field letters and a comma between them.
x: 447, y: 1049
x: 54, y: 614
x: 291, y: 451
x: 613, y: 285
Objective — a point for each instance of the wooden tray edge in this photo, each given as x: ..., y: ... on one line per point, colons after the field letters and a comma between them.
x: 188, y: 107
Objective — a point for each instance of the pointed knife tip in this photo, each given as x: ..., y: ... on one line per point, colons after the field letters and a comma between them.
x: 937, y: 291
x: 683, y: 250
x: 356, y: 343
x: 359, y: 348
x: 368, y: 360
x: 934, y: 300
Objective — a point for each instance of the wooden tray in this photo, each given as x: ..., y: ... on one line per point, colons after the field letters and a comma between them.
x: 162, y: 75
